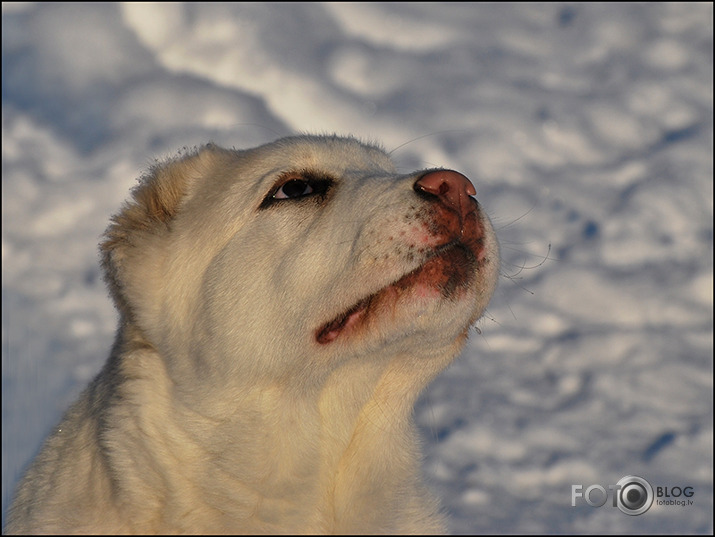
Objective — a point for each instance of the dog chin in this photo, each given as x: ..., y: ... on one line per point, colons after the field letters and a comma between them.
x: 445, y: 277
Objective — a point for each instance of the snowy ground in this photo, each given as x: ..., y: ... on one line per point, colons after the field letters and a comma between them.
x: 587, y: 129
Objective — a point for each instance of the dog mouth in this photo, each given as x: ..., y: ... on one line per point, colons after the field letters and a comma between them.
x: 446, y: 273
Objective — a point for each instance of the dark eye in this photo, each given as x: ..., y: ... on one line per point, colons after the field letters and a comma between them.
x: 294, y: 188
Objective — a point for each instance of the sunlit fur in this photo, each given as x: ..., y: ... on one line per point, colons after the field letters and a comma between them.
x: 218, y: 411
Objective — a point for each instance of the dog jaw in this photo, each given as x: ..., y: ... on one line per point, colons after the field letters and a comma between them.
x: 445, y: 275
x: 456, y: 252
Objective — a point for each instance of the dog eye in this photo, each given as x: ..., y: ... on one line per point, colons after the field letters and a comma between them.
x: 295, y: 188
x: 298, y: 186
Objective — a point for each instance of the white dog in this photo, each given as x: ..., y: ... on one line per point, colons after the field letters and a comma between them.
x: 281, y: 310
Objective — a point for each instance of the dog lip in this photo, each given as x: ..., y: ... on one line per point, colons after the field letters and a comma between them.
x: 332, y: 329
x: 465, y: 259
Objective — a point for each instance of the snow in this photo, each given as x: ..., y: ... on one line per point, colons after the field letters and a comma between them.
x: 586, y: 128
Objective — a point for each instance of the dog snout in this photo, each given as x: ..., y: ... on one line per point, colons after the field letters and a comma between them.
x: 452, y: 188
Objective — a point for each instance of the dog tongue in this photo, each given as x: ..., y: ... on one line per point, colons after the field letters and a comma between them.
x: 351, y: 317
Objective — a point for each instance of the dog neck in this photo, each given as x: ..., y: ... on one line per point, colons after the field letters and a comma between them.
x: 304, y: 455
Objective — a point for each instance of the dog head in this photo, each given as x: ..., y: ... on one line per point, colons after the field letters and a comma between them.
x: 298, y: 256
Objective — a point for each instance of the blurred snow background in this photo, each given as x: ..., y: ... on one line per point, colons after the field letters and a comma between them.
x: 586, y: 128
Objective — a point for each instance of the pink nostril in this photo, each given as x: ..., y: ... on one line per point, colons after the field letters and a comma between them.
x: 451, y: 187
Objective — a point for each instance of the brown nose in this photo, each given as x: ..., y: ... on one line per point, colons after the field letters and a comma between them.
x: 451, y: 187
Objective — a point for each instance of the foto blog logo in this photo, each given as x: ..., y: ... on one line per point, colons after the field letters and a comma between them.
x: 633, y: 495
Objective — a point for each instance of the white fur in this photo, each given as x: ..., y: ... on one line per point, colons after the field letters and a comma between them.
x: 218, y: 410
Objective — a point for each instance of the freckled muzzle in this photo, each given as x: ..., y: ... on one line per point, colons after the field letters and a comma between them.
x: 451, y: 218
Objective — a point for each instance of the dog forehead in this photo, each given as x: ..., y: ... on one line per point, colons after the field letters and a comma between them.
x: 331, y: 154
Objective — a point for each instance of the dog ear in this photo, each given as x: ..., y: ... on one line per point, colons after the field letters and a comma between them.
x: 145, y: 218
